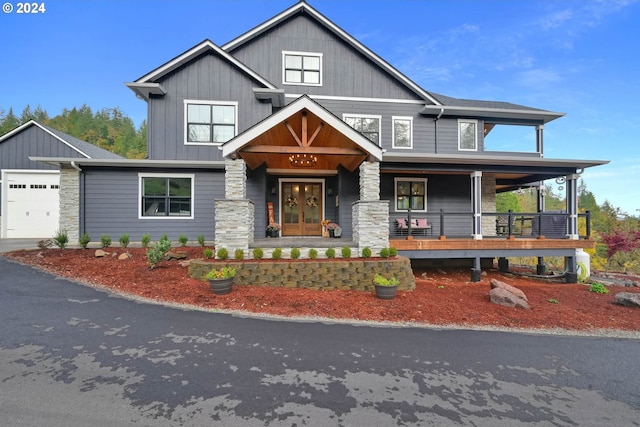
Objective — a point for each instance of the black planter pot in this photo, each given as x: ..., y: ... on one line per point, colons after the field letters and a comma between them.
x: 386, y: 292
x: 221, y: 286
x: 331, y: 233
x: 273, y: 233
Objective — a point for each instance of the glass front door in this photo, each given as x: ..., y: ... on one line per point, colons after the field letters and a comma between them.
x: 301, y: 209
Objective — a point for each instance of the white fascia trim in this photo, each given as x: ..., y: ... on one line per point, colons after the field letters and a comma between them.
x: 192, y: 53
x: 298, y: 105
x: 460, y: 134
x: 308, y: 54
x: 356, y: 99
x: 33, y: 122
x: 340, y: 33
x: 367, y: 116
x: 165, y: 175
x: 187, y: 102
x: 393, y: 132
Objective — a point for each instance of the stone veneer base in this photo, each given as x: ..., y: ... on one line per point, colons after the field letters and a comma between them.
x: 355, y: 274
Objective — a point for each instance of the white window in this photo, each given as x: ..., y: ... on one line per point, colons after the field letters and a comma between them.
x: 166, y: 196
x: 210, y: 122
x: 367, y: 125
x: 468, y: 135
x: 302, y: 68
x: 402, y: 132
x: 411, y: 193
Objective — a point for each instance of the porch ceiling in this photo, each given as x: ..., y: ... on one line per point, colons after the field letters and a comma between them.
x: 299, y: 135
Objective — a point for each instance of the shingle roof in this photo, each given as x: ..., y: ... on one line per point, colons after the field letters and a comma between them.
x: 87, y: 148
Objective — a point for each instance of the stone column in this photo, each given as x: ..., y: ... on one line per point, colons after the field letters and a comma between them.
x: 70, y: 203
x: 370, y: 215
x: 488, y: 204
x: 235, y: 214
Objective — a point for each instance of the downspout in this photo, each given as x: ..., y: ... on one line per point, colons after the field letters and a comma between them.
x: 436, y: 129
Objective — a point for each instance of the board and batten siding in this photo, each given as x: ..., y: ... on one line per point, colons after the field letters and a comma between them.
x: 32, y: 141
x: 451, y: 193
x: 345, y: 71
x: 207, y: 78
x: 111, y: 206
x: 257, y: 192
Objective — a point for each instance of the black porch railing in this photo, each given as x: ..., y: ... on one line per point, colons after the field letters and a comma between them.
x: 551, y: 224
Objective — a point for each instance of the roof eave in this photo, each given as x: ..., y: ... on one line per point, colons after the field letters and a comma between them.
x: 130, y: 163
x: 145, y: 90
x: 275, y: 96
x: 502, y: 113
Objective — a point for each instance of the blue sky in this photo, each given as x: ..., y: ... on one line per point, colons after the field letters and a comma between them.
x: 577, y: 57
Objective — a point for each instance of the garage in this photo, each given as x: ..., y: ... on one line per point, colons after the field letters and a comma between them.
x: 30, y: 203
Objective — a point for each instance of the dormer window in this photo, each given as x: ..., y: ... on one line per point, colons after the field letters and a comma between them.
x: 210, y: 122
x: 302, y: 68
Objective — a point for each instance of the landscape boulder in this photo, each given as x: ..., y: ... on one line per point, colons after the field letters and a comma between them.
x: 100, y: 253
x: 175, y: 255
x: 629, y: 299
x: 504, y: 294
x: 125, y: 255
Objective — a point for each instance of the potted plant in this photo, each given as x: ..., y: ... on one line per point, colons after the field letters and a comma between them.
x: 385, y: 288
x: 332, y: 227
x: 273, y: 229
x: 221, y: 280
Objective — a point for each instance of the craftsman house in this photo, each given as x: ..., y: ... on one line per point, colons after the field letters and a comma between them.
x: 273, y: 126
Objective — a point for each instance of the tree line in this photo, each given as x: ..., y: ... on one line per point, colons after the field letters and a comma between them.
x: 108, y: 128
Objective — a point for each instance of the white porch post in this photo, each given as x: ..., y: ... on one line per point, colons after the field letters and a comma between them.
x: 476, y: 204
x: 234, y: 215
x: 370, y: 215
x: 572, y: 206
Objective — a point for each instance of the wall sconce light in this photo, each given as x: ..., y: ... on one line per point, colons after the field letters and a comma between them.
x: 329, y: 191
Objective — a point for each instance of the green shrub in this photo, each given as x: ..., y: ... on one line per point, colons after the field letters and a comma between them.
x: 276, y: 254
x: 124, y: 240
x: 105, y: 240
x: 330, y: 253
x: 366, y: 252
x: 598, y: 288
x: 207, y: 253
x: 156, y: 253
x: 84, y: 240
x: 346, y: 252
x: 183, y: 240
x: 313, y: 253
x: 384, y: 253
x: 238, y: 254
x: 201, y: 240
x: 258, y: 253
x: 61, y: 239
x: 146, y: 239
x: 223, y: 253
x: 295, y: 253
x: 393, y: 252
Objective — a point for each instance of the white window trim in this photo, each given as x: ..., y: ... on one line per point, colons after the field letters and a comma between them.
x: 187, y: 102
x: 165, y: 175
x: 460, y: 121
x: 366, y: 116
x: 395, y: 193
x: 291, y: 52
x: 393, y: 132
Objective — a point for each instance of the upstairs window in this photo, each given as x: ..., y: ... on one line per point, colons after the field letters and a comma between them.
x: 302, y: 68
x: 467, y: 135
x: 166, y: 196
x: 369, y: 126
x: 402, y: 132
x: 411, y: 193
x: 210, y: 122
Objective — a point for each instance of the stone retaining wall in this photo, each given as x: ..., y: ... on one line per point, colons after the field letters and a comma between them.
x: 354, y: 274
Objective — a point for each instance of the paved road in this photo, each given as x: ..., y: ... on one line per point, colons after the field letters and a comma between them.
x: 74, y: 356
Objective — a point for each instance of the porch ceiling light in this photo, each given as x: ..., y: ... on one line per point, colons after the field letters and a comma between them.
x: 303, y: 160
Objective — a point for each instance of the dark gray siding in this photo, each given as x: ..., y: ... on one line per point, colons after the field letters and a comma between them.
x: 348, y: 193
x: 449, y: 193
x: 32, y: 141
x: 345, y: 72
x: 207, y: 78
x: 111, y: 206
x: 257, y: 192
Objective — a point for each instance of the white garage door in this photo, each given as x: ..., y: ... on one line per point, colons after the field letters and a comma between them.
x: 31, y: 205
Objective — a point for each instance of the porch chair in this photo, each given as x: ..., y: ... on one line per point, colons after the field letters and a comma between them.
x: 401, y: 226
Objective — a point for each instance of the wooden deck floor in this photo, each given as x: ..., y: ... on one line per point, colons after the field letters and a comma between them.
x: 434, y: 244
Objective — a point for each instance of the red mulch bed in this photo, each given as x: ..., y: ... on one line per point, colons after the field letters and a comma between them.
x: 441, y: 297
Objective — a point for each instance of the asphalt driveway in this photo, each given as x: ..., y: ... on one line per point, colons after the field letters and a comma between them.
x: 74, y: 356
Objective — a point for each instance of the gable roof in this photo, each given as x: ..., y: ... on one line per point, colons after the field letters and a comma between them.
x: 83, y: 148
x: 147, y: 84
x: 304, y: 8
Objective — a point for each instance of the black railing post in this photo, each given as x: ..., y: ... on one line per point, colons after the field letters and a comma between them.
x: 510, y: 223
x: 409, y: 221
x: 588, y: 219
x: 441, y: 222
x: 539, y: 230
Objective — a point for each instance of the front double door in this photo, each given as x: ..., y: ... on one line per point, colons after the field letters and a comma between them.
x: 301, y: 208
